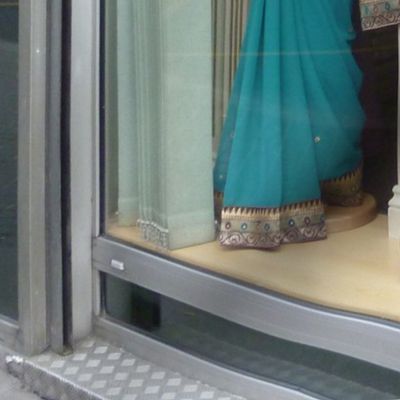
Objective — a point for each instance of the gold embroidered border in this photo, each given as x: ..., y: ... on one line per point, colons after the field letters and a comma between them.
x: 300, y: 222
x: 270, y: 227
x: 379, y: 13
x: 344, y: 191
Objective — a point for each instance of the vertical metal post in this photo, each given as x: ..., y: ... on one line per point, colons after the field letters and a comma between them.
x: 31, y: 176
x: 84, y: 116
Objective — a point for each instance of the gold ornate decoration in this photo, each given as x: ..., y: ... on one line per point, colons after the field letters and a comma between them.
x: 344, y: 191
x: 270, y: 227
x: 379, y: 13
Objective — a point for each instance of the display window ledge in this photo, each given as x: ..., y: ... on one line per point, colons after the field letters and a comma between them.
x: 337, y: 294
x: 354, y: 271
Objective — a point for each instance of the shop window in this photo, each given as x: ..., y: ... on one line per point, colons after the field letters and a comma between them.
x: 175, y: 87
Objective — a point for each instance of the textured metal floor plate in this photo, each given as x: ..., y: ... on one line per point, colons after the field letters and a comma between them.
x: 97, y: 370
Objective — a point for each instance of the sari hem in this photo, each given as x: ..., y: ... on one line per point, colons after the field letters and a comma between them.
x: 345, y: 191
x: 268, y: 228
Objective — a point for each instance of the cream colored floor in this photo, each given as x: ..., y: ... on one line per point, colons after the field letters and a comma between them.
x: 357, y: 270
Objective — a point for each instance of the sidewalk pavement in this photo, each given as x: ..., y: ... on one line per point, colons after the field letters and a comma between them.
x: 11, y: 389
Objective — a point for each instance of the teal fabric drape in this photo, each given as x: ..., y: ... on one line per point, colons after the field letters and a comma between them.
x: 294, y: 121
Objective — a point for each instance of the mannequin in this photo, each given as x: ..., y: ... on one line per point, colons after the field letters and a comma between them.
x: 291, y: 138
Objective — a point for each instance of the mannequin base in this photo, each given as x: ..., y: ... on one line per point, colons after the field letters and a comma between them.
x: 339, y: 219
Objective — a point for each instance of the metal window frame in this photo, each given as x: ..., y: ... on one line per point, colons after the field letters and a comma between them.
x: 32, y: 335
x: 39, y: 207
x: 84, y: 162
x: 368, y: 339
x: 57, y: 179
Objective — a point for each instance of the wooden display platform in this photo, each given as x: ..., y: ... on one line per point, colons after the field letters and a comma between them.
x: 339, y: 219
x: 356, y: 270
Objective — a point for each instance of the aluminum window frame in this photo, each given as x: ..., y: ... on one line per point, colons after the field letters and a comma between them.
x: 368, y: 339
x: 40, y: 319
x: 84, y: 162
x: 31, y: 177
x: 30, y: 332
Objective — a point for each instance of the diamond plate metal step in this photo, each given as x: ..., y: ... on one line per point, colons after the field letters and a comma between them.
x: 100, y: 371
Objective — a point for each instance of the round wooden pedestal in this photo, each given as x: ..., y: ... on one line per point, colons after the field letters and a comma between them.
x: 340, y: 219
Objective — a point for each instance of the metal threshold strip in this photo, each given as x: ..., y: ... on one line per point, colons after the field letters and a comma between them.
x: 100, y: 371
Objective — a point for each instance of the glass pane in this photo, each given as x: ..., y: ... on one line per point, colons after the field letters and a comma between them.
x: 255, y: 139
x: 8, y: 157
x: 316, y: 371
x: 289, y: 131
x: 216, y: 139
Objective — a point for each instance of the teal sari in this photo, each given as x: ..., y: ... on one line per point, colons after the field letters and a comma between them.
x: 291, y: 138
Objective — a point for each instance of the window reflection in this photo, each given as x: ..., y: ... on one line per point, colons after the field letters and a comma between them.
x: 316, y: 371
x: 8, y: 157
